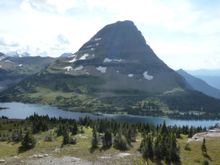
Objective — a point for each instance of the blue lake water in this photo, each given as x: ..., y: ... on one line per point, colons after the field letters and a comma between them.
x: 23, y: 110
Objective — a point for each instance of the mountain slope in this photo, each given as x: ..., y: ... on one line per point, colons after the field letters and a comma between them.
x: 14, y: 69
x: 212, y: 77
x: 212, y: 80
x: 115, y: 71
x: 200, y: 85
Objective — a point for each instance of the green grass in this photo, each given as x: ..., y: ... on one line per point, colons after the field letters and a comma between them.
x: 82, y: 149
x: 195, y: 156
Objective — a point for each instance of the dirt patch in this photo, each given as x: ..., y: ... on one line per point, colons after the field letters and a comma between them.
x: 202, y: 135
x: 50, y: 160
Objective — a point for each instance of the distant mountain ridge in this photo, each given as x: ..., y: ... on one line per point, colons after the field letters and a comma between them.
x: 200, y: 85
x: 15, y: 68
x: 212, y: 77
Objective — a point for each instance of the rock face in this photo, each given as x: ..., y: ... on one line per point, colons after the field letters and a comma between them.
x: 119, y: 56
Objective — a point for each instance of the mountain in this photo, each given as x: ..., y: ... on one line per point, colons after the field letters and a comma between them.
x: 212, y: 77
x: 200, y: 85
x: 205, y: 72
x: 16, y: 54
x: 65, y: 55
x: 119, y: 55
x: 212, y: 80
x: 115, y: 71
x: 15, y: 68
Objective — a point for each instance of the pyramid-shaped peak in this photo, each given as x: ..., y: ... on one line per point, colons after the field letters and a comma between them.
x: 126, y: 23
x: 119, y: 40
x: 120, y: 28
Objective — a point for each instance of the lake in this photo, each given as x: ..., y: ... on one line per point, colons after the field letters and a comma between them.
x: 23, y: 110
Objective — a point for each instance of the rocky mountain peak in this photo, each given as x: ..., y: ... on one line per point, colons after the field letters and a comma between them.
x: 119, y: 55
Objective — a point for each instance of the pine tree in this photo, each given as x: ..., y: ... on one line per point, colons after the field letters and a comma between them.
x: 120, y: 142
x: 157, y: 148
x: 107, y: 139
x: 203, y: 147
x: 147, y: 147
x: 190, y: 134
x: 173, y: 149
x: 95, y: 140
x: 28, y: 141
x: 66, y: 137
x: 74, y: 129
x: 164, y: 129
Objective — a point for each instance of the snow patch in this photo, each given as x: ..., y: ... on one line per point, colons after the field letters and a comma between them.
x: 101, y: 69
x: 2, y: 58
x: 20, y: 65
x: 84, y: 56
x: 73, y: 55
x: 9, y: 61
x: 78, y: 68
x: 97, y: 44
x: 108, y: 60
x: 74, y: 58
x: 97, y: 39
x: 130, y: 75
x: 92, y: 49
x: 147, y: 76
x: 89, y: 46
x: 117, y: 60
x: 0, y: 66
x: 68, y: 68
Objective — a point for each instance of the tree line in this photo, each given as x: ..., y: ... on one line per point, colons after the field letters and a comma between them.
x: 159, y: 142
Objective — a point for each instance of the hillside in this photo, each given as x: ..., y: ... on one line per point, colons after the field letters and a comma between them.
x: 14, y: 68
x: 200, y: 85
x: 212, y: 77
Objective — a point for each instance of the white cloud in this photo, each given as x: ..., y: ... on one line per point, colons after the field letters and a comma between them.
x: 176, y: 30
x: 59, y: 6
x: 62, y: 39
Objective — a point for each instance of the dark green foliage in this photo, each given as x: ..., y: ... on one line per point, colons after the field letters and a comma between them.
x: 74, y: 129
x: 28, y: 141
x: 107, y: 139
x: 66, y: 137
x: 190, y: 134
x: 39, y: 123
x: 120, y: 142
x: 203, y: 147
x: 146, y: 147
x: 205, y: 162
x: 95, y: 140
x: 161, y: 147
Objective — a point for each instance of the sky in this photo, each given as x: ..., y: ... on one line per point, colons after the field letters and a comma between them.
x: 184, y: 33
